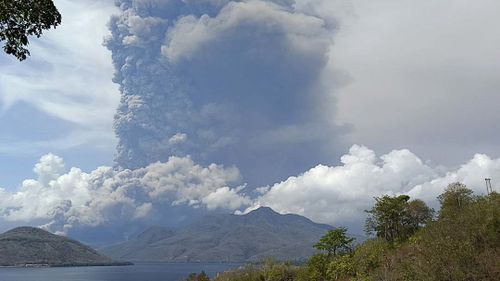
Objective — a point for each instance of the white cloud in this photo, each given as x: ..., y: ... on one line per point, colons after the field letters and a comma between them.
x: 177, y: 139
x: 340, y: 194
x: 49, y: 168
x: 64, y: 199
x: 336, y: 195
x: 227, y: 198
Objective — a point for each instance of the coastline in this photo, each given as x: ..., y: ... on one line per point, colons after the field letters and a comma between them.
x: 45, y: 265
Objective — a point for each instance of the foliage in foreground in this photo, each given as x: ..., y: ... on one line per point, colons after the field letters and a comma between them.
x: 20, y: 19
x: 463, y: 243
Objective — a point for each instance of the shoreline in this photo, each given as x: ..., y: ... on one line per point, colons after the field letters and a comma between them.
x: 45, y: 265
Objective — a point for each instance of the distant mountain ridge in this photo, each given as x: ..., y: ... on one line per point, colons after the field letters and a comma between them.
x: 226, y: 238
x: 30, y: 246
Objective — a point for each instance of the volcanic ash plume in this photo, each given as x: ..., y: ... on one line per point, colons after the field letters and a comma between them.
x: 233, y: 82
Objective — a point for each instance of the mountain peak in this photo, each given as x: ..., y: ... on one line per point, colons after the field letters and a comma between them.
x: 264, y: 210
x: 26, y: 229
x: 27, y: 232
x: 259, y: 234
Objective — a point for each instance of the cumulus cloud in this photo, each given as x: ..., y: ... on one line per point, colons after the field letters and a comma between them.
x: 49, y: 168
x: 338, y: 195
x: 240, y: 78
x: 227, y: 198
x: 65, y: 199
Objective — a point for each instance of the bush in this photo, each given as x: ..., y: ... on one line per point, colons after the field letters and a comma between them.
x: 341, y: 268
x: 371, y: 256
x: 269, y: 271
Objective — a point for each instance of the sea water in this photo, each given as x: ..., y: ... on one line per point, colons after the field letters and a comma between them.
x: 137, y: 272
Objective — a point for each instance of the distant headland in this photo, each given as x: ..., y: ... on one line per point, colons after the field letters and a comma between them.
x: 35, y: 247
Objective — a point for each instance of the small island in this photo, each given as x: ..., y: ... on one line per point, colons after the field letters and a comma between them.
x: 35, y: 247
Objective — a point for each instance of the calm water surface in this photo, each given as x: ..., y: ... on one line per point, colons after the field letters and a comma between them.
x: 137, y: 272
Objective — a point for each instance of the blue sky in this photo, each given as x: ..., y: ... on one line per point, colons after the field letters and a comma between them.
x: 62, y: 99
x: 308, y: 106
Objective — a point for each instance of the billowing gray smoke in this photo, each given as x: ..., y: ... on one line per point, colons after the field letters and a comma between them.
x: 232, y: 82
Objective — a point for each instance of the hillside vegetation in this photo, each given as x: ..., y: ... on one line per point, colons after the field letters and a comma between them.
x: 411, y: 242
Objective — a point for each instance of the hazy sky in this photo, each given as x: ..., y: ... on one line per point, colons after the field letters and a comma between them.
x: 307, y: 106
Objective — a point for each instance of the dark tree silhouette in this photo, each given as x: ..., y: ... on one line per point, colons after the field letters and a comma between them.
x: 22, y: 18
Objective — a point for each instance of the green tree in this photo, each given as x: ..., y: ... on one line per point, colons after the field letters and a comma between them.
x: 387, y: 218
x: 22, y: 18
x: 335, y: 242
x: 396, y: 218
x: 454, y: 199
x: 419, y: 214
